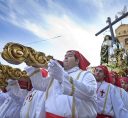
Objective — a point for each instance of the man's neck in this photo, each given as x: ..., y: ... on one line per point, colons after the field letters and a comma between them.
x: 100, y: 81
x: 74, y: 69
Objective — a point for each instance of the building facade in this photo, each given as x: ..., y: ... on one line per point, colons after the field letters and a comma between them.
x: 122, y: 35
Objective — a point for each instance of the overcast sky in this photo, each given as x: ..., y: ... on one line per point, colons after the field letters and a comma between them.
x: 55, y: 26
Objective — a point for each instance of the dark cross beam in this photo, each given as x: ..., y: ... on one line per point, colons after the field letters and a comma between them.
x: 110, y: 26
x: 111, y: 31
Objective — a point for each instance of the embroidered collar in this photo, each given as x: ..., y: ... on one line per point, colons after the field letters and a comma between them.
x: 99, y: 83
x: 73, y: 70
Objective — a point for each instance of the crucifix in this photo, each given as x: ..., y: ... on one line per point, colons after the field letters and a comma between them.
x: 110, y: 26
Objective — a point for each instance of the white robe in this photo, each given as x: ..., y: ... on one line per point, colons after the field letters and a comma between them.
x: 60, y: 103
x: 120, y: 102
x: 105, y: 108
x: 12, y: 104
x: 3, y: 97
x: 116, y: 104
x: 31, y: 106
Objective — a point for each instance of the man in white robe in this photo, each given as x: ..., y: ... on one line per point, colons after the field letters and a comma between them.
x: 70, y: 92
x: 110, y: 103
x: 120, y: 86
x: 124, y: 83
x: 12, y: 104
x: 32, y: 106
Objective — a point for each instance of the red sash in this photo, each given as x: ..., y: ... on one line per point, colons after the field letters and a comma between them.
x: 103, y: 116
x: 50, y: 115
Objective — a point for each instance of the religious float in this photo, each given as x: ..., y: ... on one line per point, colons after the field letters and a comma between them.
x: 114, y: 49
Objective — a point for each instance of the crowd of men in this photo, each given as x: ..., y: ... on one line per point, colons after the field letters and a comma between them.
x: 66, y: 90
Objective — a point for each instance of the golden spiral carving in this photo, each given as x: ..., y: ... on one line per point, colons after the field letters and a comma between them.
x: 14, y: 73
x: 7, y: 72
x: 36, y: 59
x: 3, y: 70
x: 49, y: 57
x: 15, y: 53
x: 3, y: 83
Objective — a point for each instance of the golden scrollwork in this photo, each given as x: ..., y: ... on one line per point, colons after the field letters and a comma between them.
x: 7, y: 72
x: 3, y: 83
x: 15, y: 53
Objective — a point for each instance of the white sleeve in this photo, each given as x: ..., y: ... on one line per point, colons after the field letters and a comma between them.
x: 124, y: 96
x: 118, y: 103
x: 3, y: 97
x: 38, y: 81
x: 4, y: 107
x: 83, y: 89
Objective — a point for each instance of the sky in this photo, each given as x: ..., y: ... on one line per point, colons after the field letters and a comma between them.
x: 55, y: 26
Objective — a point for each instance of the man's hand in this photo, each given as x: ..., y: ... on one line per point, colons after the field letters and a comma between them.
x: 55, y: 70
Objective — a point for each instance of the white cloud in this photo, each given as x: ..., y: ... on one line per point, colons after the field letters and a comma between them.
x: 74, y: 37
x: 35, y: 29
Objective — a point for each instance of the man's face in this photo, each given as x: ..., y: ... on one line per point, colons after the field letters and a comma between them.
x: 126, y: 86
x: 113, y: 78
x: 70, y: 61
x: 99, y: 74
x: 123, y: 84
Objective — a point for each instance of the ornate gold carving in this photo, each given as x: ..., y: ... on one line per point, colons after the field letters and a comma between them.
x: 15, y: 53
x: 7, y: 72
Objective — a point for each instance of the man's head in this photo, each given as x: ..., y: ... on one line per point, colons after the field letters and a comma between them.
x: 70, y: 61
x: 25, y: 83
x: 113, y: 78
x: 101, y: 73
x: 75, y: 59
x: 124, y: 83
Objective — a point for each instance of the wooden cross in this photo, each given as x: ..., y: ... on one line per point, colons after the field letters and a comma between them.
x: 110, y: 26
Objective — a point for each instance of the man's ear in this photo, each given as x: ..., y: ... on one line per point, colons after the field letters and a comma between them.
x: 105, y: 77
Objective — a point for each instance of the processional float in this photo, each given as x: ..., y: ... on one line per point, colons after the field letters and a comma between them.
x: 112, y: 54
